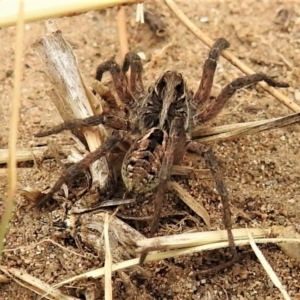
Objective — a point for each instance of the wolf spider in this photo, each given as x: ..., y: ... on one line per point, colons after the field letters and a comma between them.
x: 159, y: 120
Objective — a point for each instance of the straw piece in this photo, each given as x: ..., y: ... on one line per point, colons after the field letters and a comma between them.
x: 267, y: 267
x: 122, y: 30
x: 213, y: 238
x: 40, y: 10
x: 108, y: 260
x: 37, y: 153
x: 34, y: 284
x: 13, y: 132
x: 190, y: 201
x: 186, y: 240
x: 229, y: 56
x: 205, y: 134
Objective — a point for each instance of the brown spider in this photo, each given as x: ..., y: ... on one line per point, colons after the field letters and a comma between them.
x: 158, y: 121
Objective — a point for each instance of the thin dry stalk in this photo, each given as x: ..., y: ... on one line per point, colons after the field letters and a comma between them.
x: 108, y: 261
x: 206, y: 134
x: 34, y: 153
x: 190, y: 201
x: 202, y: 133
x: 267, y: 267
x: 13, y: 133
x: 205, y: 241
x: 122, y: 30
x: 229, y: 56
x: 41, y: 10
x: 34, y: 284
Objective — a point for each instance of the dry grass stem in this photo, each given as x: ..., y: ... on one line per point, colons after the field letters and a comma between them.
x: 207, y: 134
x: 203, y: 133
x: 229, y: 56
x: 267, y: 267
x: 41, y: 10
x: 108, y: 261
x: 122, y: 31
x: 13, y: 133
x: 207, y: 241
x: 37, y: 153
x: 190, y: 201
x: 34, y: 284
x: 193, y: 239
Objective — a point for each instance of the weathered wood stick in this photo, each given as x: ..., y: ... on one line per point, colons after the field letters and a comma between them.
x: 70, y: 95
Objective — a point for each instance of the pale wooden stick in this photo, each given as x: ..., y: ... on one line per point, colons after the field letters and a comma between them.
x: 229, y: 56
x: 41, y: 10
x: 70, y: 95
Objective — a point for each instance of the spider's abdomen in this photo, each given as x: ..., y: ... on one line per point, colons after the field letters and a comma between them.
x: 142, y: 163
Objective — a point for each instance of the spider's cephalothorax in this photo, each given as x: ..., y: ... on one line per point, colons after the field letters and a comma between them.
x: 167, y: 99
x: 158, y: 126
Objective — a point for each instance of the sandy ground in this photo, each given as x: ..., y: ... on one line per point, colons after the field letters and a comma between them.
x: 262, y: 171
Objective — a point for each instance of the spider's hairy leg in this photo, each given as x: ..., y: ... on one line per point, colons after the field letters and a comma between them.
x: 209, y: 68
x: 72, y: 172
x: 133, y: 61
x: 212, y: 163
x: 176, y: 131
x: 111, y: 121
x: 119, y: 80
x: 212, y: 108
x: 176, y: 135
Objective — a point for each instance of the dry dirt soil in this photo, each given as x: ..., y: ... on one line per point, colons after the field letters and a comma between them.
x: 261, y: 171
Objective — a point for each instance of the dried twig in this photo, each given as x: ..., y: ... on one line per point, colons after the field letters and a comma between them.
x: 184, y: 244
x: 190, y: 201
x: 229, y: 56
x: 71, y: 96
x: 121, y: 24
x: 34, y: 284
x: 36, y: 153
x: 267, y: 267
x: 41, y: 10
x: 206, y: 134
x: 13, y: 133
x: 108, y: 260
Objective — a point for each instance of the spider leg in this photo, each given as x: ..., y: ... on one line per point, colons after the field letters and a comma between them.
x: 176, y: 131
x: 209, y: 68
x: 108, y: 120
x: 217, y: 174
x: 212, y: 108
x: 176, y: 135
x: 119, y: 80
x: 133, y: 61
x: 73, y: 171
